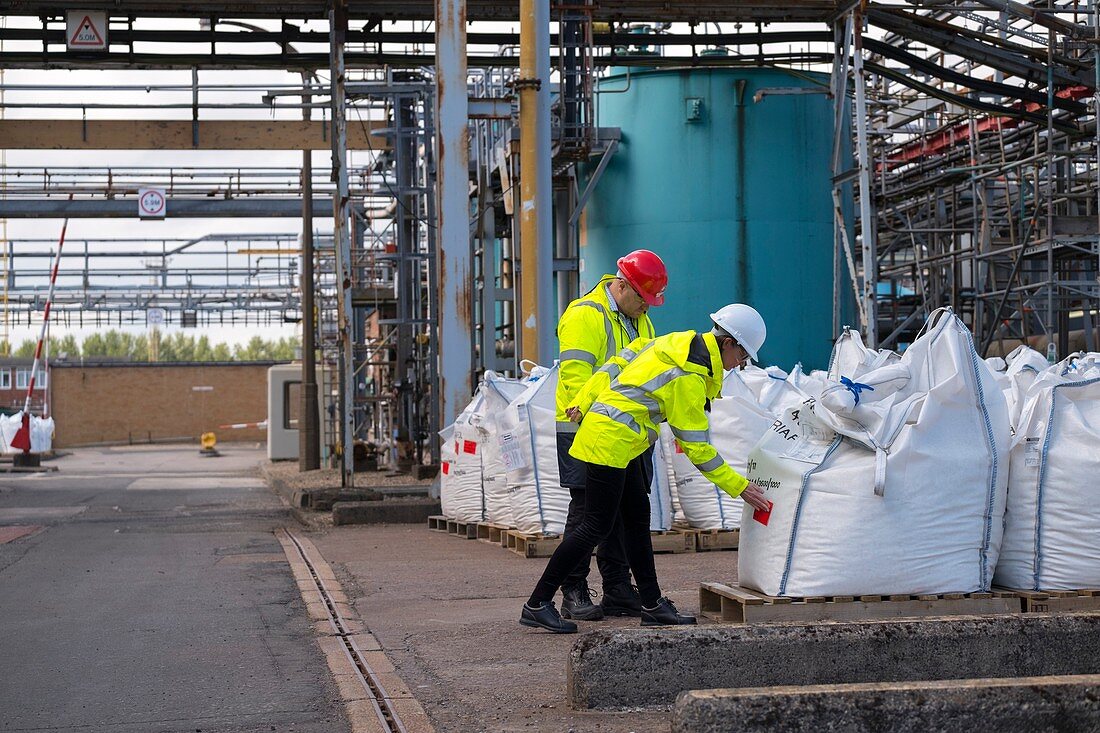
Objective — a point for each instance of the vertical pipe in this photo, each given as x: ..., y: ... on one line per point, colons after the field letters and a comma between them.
x: 1095, y: 8
x: 544, y: 215
x: 536, y: 260
x: 309, y: 452
x: 1063, y: 336
x: 432, y: 307
x: 866, y: 213
x: 839, y: 90
x: 341, y: 237
x: 453, y: 211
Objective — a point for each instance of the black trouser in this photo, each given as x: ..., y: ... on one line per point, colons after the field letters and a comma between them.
x: 610, y: 494
x: 611, y: 553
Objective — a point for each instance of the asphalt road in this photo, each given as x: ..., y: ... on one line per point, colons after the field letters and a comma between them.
x: 151, y: 595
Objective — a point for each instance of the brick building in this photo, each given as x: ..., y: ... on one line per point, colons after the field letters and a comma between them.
x: 127, y: 402
x: 15, y: 374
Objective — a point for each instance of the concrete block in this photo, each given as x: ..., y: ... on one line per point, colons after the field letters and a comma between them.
x: 632, y: 668
x: 1055, y: 703
x: 389, y: 511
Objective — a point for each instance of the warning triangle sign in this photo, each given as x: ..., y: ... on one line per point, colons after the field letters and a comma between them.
x: 87, y: 35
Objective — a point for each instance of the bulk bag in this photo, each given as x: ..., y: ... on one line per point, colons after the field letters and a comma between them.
x: 497, y: 393
x: 528, y: 447
x: 892, y: 483
x: 1052, y: 523
x: 461, y: 495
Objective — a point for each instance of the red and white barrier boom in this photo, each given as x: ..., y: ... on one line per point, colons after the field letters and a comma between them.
x: 22, y: 439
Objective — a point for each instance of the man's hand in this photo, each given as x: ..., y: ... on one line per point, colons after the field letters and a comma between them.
x: 574, y: 414
x: 754, y: 497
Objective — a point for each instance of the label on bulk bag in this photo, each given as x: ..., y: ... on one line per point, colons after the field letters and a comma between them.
x: 763, y: 516
x: 469, y: 446
x: 446, y: 467
x: 511, y: 452
x: 1033, y: 452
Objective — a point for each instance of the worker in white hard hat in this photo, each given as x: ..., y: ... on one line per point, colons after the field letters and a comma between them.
x: 671, y: 378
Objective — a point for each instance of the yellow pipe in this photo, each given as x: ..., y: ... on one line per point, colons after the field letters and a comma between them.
x: 528, y: 86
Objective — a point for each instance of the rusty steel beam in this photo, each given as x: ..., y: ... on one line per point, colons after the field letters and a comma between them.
x: 380, y: 10
x: 453, y: 308
x: 179, y: 135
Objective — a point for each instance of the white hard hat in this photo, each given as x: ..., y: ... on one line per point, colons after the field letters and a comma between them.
x: 744, y: 324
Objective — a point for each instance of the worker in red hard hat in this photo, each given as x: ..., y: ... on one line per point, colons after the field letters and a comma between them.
x: 594, y: 328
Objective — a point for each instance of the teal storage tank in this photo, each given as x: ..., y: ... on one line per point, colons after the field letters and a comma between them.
x: 726, y: 174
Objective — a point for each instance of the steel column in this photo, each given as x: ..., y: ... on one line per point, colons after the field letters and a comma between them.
x: 536, y: 254
x: 865, y: 165
x: 454, y: 304
x: 309, y: 446
x: 341, y: 235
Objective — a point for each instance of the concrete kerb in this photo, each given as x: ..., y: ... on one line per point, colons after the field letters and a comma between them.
x: 1053, y: 703
x: 293, y: 499
x: 648, y: 668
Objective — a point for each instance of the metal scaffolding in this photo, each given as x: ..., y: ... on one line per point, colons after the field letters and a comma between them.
x: 965, y: 172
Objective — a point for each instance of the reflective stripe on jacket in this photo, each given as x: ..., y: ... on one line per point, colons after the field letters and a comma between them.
x: 670, y: 378
x: 589, y: 333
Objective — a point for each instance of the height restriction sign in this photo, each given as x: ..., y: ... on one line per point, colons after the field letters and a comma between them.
x: 86, y: 30
x: 152, y: 203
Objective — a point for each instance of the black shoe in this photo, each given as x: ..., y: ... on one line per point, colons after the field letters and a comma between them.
x: 577, y: 603
x: 546, y: 617
x: 665, y: 614
x: 621, y: 599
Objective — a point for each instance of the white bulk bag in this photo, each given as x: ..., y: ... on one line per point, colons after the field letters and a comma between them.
x: 737, y: 421
x: 668, y: 449
x: 528, y: 446
x: 851, y: 358
x: 497, y: 392
x: 1052, y: 523
x: 461, y: 492
x: 1014, y: 375
x: 661, y: 513
x: 41, y: 432
x: 902, y: 492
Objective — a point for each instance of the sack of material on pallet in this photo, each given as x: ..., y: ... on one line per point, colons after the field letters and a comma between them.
x: 894, y: 482
x: 461, y: 493
x: 661, y: 513
x: 737, y: 421
x: 41, y: 432
x: 1052, y: 522
x: 751, y: 400
x: 1014, y: 374
x: 528, y: 445
x: 497, y: 393
x: 851, y: 358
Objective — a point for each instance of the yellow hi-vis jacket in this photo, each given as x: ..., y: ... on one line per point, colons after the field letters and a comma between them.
x: 590, y: 332
x: 669, y: 378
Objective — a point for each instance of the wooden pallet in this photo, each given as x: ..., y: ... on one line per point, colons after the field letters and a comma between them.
x: 733, y: 604
x: 536, y: 545
x: 492, y: 533
x: 1056, y: 601
x: 708, y: 540
x: 467, y: 530
x: 462, y: 529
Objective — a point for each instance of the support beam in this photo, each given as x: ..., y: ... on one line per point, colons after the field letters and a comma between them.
x: 204, y: 208
x: 536, y: 218
x: 453, y: 309
x: 341, y: 238
x: 179, y: 135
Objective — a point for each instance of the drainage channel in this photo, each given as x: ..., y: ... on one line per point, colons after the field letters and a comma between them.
x: 387, y: 716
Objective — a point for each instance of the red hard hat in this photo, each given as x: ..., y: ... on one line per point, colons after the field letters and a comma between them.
x: 646, y: 273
